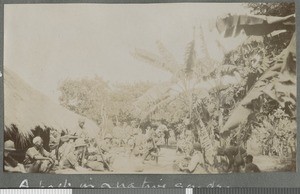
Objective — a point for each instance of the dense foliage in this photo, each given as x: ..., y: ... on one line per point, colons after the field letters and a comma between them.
x: 250, y: 94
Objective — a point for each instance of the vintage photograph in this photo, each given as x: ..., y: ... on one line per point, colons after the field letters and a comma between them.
x: 171, y: 88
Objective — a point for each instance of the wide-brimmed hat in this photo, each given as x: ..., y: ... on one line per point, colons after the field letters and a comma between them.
x: 80, y: 143
x: 9, y: 146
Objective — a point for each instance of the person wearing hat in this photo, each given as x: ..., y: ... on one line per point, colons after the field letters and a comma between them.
x: 10, y: 164
x: 81, y: 131
x: 73, y: 159
x: 37, y: 159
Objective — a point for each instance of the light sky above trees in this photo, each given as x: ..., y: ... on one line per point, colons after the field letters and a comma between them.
x: 46, y: 44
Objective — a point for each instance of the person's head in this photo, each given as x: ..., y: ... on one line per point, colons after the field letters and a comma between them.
x: 81, y: 122
x: 249, y: 159
x: 9, y: 147
x: 79, y: 145
x: 37, y: 142
x: 220, y: 151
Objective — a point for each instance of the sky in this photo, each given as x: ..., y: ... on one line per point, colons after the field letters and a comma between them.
x: 48, y: 43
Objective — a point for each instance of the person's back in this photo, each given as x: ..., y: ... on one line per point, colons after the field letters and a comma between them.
x: 250, y: 167
x: 235, y: 155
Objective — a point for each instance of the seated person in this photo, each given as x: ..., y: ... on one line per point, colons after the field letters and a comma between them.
x: 37, y: 159
x: 235, y: 156
x: 10, y: 164
x: 250, y: 167
x: 195, y: 159
x: 103, y: 154
x: 151, y: 149
x: 66, y: 144
x: 74, y: 157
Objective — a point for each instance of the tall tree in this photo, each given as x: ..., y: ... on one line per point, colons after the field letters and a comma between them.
x: 87, y: 97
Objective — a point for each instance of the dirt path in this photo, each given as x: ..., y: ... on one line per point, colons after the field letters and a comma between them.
x: 124, y: 164
x: 133, y: 164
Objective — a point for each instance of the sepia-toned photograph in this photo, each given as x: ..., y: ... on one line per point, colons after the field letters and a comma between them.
x: 170, y: 88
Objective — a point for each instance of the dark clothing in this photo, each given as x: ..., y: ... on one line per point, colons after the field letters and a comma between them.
x: 233, y: 150
x: 167, y: 134
x: 150, y: 152
x: 232, y: 153
x: 250, y: 167
x: 9, y: 161
x: 151, y: 148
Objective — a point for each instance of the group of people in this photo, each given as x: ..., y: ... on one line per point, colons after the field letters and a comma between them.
x: 70, y: 151
x: 231, y: 158
x: 144, y: 143
x: 37, y: 159
x: 74, y: 153
x: 80, y: 152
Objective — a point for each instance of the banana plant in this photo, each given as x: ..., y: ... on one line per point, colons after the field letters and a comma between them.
x: 278, y: 83
x: 193, y: 79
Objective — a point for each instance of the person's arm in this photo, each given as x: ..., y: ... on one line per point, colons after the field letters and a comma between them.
x: 256, y: 169
x: 37, y: 157
x: 230, y: 161
x: 243, y: 152
x: 45, y: 153
x: 48, y: 155
x: 34, y: 154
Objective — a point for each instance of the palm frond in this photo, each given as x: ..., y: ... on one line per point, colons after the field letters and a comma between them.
x: 271, y: 83
x: 167, y: 55
x: 190, y: 58
x: 156, y: 60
